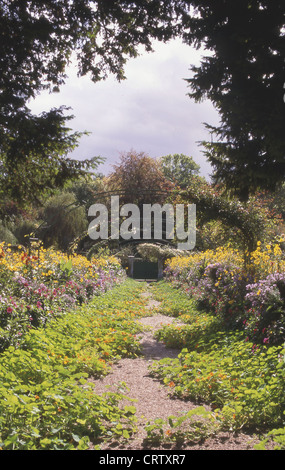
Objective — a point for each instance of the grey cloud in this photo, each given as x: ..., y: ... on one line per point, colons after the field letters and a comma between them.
x: 150, y: 111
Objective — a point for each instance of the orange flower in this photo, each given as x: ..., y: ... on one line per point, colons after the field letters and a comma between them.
x: 171, y: 384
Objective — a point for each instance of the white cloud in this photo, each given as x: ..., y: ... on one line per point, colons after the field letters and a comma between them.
x: 149, y: 111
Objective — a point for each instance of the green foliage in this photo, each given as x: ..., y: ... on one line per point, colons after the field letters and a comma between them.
x: 38, y: 39
x: 154, y: 252
x: 180, y: 304
x: 47, y: 405
x: 21, y: 222
x: 243, y: 382
x: 212, y: 204
x: 33, y: 154
x: 6, y: 235
x: 243, y: 78
x: 23, y: 228
x: 101, y: 35
x: 66, y: 267
x: 193, y: 325
x: 46, y: 400
x: 138, y: 179
x: 192, y: 426
x: 85, y: 190
x: 275, y: 440
x: 179, y: 169
x: 64, y: 220
x: 243, y: 385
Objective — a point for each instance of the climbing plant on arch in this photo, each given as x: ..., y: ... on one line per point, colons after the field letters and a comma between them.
x: 211, y: 205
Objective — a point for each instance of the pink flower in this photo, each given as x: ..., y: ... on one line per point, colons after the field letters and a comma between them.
x: 9, y: 310
x: 39, y: 305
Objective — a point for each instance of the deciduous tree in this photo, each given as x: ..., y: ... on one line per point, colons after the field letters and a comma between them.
x: 243, y: 76
x: 139, y: 179
x: 38, y: 40
x: 179, y: 168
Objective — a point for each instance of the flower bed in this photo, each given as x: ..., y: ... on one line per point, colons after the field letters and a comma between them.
x: 242, y: 294
x: 242, y: 382
x: 40, y: 286
x: 47, y: 400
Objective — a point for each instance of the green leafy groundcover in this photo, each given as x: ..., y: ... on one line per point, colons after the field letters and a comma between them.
x: 243, y: 382
x: 46, y: 401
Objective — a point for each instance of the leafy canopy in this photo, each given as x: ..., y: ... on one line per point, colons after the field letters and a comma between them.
x: 243, y: 76
x: 179, y: 168
x: 139, y: 179
x: 38, y: 41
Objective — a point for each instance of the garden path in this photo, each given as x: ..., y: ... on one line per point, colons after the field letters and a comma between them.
x: 152, y: 400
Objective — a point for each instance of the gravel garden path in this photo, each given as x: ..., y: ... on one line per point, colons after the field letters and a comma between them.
x: 152, y: 399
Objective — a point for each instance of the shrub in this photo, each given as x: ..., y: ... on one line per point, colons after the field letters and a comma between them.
x: 242, y: 295
x: 265, y: 301
x: 63, y: 221
x: 6, y: 235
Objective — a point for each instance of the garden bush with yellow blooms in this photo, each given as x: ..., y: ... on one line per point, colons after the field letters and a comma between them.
x: 38, y: 285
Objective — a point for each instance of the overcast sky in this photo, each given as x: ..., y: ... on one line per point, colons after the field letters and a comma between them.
x: 148, y: 112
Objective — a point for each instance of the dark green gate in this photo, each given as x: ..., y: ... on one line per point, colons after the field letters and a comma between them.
x: 145, y: 270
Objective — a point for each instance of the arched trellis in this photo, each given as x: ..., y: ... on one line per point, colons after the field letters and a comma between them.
x: 123, y: 192
x: 211, y: 208
x: 120, y: 244
x: 104, y: 196
x: 155, y: 193
x: 230, y: 212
